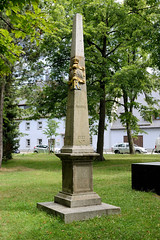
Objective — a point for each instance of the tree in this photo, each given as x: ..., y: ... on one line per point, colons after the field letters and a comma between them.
x: 115, y: 40
x: 133, y: 78
x: 44, y: 80
x: 103, y: 39
x: 136, y: 80
x: 118, y: 44
x: 98, y: 46
x: 10, y: 126
x: 50, y: 131
x: 18, y: 19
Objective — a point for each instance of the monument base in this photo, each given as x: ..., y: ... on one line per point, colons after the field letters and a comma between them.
x: 69, y: 215
x: 77, y: 200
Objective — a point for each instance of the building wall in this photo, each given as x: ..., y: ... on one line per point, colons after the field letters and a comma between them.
x: 111, y: 136
x: 149, y: 137
x: 114, y: 134
x: 32, y: 134
x: 117, y: 131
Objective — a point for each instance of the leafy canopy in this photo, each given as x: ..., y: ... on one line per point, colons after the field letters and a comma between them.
x: 19, y: 19
x: 51, y: 128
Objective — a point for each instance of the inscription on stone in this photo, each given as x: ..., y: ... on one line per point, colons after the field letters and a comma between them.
x: 83, y: 179
x: 81, y: 106
x: 81, y: 139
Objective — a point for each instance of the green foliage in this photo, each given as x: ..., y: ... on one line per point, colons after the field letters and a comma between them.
x: 47, y: 66
x: 121, y: 42
x: 10, y: 125
x: 51, y: 128
x: 18, y: 20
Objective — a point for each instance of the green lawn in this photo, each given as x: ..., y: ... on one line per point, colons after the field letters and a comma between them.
x: 32, y: 178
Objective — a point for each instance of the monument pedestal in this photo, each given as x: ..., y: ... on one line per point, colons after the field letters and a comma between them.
x: 77, y: 183
x: 77, y: 201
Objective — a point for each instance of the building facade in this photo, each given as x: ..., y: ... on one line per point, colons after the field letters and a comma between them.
x: 32, y: 132
x: 151, y: 130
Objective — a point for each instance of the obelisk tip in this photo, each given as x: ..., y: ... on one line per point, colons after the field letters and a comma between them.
x: 77, y: 48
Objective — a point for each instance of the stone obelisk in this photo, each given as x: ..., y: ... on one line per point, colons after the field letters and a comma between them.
x: 77, y: 138
x: 77, y: 154
x: 76, y: 200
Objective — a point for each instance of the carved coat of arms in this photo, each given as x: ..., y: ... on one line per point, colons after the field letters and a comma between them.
x: 76, y: 75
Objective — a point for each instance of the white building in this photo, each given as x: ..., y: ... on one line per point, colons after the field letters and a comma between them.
x: 32, y: 132
x: 118, y: 133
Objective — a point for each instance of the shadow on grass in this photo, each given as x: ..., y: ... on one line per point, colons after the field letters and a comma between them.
x: 47, y: 162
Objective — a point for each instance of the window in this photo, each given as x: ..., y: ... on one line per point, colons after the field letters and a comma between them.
x: 27, y: 125
x: 138, y: 140
x: 23, y: 106
x: 28, y: 142
x: 120, y: 145
x: 39, y: 125
x: 39, y: 142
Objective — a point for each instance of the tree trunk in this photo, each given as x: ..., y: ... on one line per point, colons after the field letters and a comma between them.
x: 129, y: 133
x: 1, y: 122
x: 101, y: 126
x: 130, y: 139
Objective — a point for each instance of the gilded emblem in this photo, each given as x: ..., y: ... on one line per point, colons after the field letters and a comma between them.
x: 76, y: 75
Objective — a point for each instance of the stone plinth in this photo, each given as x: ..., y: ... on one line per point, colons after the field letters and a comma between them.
x: 146, y: 177
x: 69, y: 215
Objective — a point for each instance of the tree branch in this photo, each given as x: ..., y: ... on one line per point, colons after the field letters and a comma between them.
x: 92, y: 43
x: 112, y: 61
x: 143, y: 17
x: 113, y: 50
x: 116, y: 31
x: 8, y: 24
x: 139, y: 9
x: 111, y: 100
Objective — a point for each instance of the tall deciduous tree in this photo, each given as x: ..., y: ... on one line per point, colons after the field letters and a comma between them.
x: 115, y: 36
x: 10, y: 125
x: 102, y: 40
x: 133, y: 78
x: 120, y: 35
x: 17, y: 19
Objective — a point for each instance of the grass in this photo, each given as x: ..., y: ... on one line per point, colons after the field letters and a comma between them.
x: 32, y: 178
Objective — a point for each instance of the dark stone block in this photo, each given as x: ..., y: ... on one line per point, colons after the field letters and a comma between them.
x: 146, y: 177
